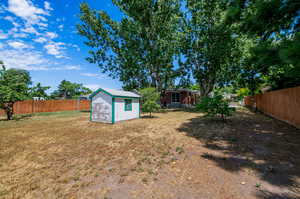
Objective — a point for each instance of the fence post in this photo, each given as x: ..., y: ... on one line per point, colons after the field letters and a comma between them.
x: 78, y: 104
x: 32, y: 106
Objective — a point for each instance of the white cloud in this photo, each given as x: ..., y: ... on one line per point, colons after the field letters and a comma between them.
x: 1, y: 45
x: 30, y: 29
x: 9, y: 18
x: 95, y: 75
x: 3, y: 35
x: 27, y: 11
x: 55, y: 48
x: 12, y: 20
x: 19, y: 35
x: 51, y: 35
x: 30, y: 60
x: 76, y: 46
x: 60, y: 19
x: 40, y: 40
x: 18, y: 45
x: 89, y: 74
x: 61, y: 27
x: 2, y: 9
x: 24, y: 59
x: 47, y: 5
x: 71, y: 67
x: 93, y: 87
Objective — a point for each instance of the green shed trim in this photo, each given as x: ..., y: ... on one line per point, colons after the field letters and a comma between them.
x: 113, y: 111
x: 98, y: 91
x: 91, y: 110
x: 113, y: 96
x: 123, y: 97
x: 125, y: 102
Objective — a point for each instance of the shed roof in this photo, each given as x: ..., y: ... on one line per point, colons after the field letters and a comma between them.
x: 115, y: 93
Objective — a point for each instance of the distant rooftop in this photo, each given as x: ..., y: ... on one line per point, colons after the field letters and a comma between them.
x: 183, y: 89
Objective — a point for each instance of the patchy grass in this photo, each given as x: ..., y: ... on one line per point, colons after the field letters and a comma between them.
x: 177, y: 154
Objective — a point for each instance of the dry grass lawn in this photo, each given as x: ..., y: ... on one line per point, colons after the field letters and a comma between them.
x: 176, y: 155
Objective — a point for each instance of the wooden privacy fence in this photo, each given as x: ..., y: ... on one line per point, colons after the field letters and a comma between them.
x: 38, y: 106
x: 281, y: 104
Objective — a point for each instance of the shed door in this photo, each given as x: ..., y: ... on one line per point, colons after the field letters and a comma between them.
x: 101, y: 112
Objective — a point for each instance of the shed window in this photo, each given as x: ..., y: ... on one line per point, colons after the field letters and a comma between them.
x: 175, y: 97
x: 128, y: 105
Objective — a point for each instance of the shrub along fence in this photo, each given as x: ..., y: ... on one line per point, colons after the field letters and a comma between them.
x: 281, y: 104
x: 39, y: 106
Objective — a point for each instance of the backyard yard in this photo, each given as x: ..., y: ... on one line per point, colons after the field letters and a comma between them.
x: 175, y: 155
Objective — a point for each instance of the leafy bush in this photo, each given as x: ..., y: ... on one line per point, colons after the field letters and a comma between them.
x: 215, y: 106
x: 150, y: 97
x: 243, y: 92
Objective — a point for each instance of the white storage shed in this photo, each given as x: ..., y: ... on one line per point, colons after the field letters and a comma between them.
x: 110, y: 105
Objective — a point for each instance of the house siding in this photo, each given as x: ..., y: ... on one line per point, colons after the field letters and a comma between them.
x: 186, y: 99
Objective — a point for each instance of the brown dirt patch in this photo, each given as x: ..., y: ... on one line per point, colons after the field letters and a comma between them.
x: 176, y: 155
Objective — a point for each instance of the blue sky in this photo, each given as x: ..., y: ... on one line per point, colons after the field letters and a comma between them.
x: 40, y: 36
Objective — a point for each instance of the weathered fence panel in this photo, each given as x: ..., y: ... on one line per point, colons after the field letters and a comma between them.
x: 39, y: 106
x: 281, y: 104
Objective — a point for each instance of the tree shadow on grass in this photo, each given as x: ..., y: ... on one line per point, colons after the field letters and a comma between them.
x: 269, y: 195
x: 85, y: 111
x: 18, y: 117
x: 249, y: 140
x: 149, y: 117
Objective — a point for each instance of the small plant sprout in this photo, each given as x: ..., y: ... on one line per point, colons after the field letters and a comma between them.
x: 179, y: 150
x: 258, y: 185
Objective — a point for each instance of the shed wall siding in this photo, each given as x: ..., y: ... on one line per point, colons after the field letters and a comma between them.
x: 102, y: 108
x: 121, y: 114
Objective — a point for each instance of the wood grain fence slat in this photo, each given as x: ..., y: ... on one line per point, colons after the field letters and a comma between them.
x: 281, y: 104
x: 39, y: 106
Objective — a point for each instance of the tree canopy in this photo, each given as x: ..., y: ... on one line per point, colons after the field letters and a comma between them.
x: 273, y: 28
x: 69, y: 90
x: 39, y: 91
x: 169, y: 43
x: 139, y: 50
x: 209, y: 47
x: 14, y: 86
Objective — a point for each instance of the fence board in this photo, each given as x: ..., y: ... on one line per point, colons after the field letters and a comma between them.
x: 39, y: 106
x: 281, y: 104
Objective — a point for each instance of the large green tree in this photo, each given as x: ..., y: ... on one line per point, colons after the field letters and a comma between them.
x: 139, y: 50
x: 273, y: 27
x: 14, y: 86
x: 69, y: 90
x: 39, y: 91
x: 209, y: 48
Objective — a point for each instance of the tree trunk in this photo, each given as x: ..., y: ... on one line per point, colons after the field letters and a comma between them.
x: 205, y: 89
x: 9, y: 111
x: 9, y: 115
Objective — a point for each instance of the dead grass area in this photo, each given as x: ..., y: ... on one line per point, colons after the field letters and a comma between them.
x: 176, y: 155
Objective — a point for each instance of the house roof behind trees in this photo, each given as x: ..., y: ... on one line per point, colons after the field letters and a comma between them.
x: 182, y: 89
